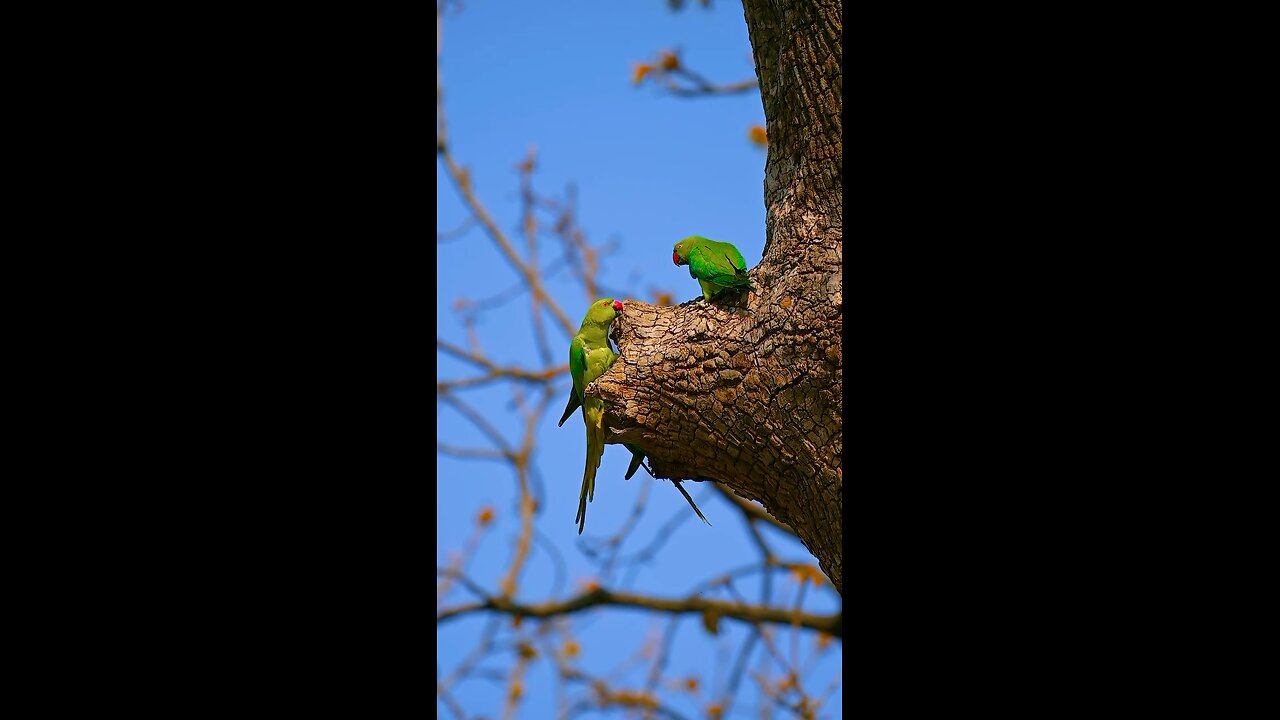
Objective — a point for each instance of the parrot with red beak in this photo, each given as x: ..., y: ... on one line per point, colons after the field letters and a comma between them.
x: 590, y: 356
x: 716, y: 266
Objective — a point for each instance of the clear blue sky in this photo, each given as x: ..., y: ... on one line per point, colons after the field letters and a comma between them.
x: 650, y: 168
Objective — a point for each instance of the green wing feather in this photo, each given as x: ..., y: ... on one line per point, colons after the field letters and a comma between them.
x: 574, y: 403
x: 720, y: 264
x: 578, y: 363
x: 577, y: 367
x: 637, y: 457
x: 731, y: 253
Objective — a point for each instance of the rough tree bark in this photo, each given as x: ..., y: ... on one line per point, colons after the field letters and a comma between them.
x: 749, y: 392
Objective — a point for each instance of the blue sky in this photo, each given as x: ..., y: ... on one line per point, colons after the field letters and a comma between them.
x: 649, y: 169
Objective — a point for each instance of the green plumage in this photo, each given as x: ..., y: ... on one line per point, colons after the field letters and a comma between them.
x: 590, y: 355
x: 715, y: 265
x: 637, y: 457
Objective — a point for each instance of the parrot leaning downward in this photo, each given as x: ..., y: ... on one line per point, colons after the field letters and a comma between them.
x: 590, y: 355
x: 715, y: 265
x: 575, y: 402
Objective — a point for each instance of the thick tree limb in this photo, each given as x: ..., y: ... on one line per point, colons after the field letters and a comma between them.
x: 749, y: 399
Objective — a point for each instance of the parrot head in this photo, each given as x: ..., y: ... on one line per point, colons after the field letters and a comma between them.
x: 604, y: 310
x: 680, y: 255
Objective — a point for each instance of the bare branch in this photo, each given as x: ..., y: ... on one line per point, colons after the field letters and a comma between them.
x: 458, y: 232
x: 476, y: 419
x: 521, y: 461
x: 471, y: 453
x: 670, y: 73
x: 557, y: 584
x: 467, y: 582
x: 701, y: 86
x: 739, y: 667
x: 450, y: 703
x: 611, y: 546
x: 529, y: 222
x: 830, y: 624
x: 483, y: 648
x: 660, y: 662
x: 461, y: 181
x: 765, y: 633
x: 497, y: 371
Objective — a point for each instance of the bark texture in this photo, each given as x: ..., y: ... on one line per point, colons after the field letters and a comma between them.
x: 747, y: 390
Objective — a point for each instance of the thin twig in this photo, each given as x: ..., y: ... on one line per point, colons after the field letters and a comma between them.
x: 458, y: 232
x: 471, y: 453
x: 476, y: 419
x: 739, y: 670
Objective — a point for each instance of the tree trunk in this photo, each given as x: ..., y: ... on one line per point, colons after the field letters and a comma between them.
x: 748, y: 391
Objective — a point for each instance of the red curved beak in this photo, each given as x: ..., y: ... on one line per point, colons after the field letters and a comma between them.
x: 675, y: 257
x: 617, y: 306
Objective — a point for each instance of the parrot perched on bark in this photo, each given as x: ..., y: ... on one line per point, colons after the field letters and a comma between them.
x: 715, y: 265
x: 590, y: 355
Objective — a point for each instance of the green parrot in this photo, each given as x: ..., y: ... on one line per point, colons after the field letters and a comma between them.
x: 715, y: 265
x: 590, y: 355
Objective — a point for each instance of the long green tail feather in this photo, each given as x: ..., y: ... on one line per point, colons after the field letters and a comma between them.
x: 594, y: 418
x: 685, y: 493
